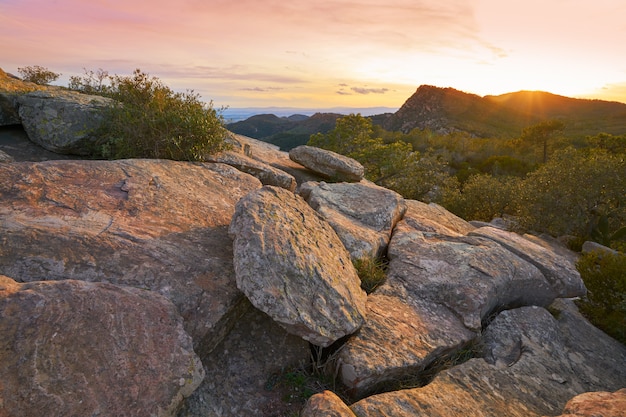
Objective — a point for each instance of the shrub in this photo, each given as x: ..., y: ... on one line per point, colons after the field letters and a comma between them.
x: 152, y: 121
x: 604, y: 275
x: 38, y: 75
x: 485, y: 197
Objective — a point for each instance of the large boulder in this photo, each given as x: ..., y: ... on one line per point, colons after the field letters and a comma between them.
x: 272, y: 155
x: 330, y: 164
x: 73, y: 348
x: 291, y: 265
x: 11, y: 88
x: 442, y: 287
x: 63, y: 121
x: 531, y: 364
x: 363, y: 214
x: 157, y: 225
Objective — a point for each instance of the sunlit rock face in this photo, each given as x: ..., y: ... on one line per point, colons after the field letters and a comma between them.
x: 74, y: 348
x: 290, y: 264
x: 157, y: 225
x: 363, y: 214
x: 327, y: 163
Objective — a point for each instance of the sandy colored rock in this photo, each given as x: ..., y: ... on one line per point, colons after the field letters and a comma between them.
x: 157, y: 225
x: 363, y: 214
x: 533, y: 364
x: 594, y: 404
x: 330, y: 164
x: 326, y: 404
x: 74, y: 348
x: 559, y: 270
x: 291, y: 265
x: 400, y: 338
x: 267, y: 174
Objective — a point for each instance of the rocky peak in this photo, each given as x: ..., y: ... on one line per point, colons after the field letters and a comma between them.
x: 428, y: 108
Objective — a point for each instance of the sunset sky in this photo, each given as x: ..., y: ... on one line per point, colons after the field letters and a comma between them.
x: 322, y: 54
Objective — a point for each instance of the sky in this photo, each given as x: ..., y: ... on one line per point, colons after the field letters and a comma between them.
x: 323, y: 53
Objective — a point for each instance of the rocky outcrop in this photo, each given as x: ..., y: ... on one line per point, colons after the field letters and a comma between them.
x: 267, y: 174
x: 533, y: 364
x: 157, y: 225
x: 558, y: 270
x: 292, y: 266
x: 331, y: 165
x: 594, y: 404
x: 363, y: 214
x: 441, y: 287
x: 11, y: 88
x: 463, y: 324
x: 78, y: 348
x: 62, y: 121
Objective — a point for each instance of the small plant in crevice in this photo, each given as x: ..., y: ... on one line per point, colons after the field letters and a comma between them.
x: 298, y: 383
x: 471, y: 350
x: 372, y: 272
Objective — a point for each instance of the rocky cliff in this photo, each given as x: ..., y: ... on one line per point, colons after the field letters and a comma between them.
x: 162, y: 288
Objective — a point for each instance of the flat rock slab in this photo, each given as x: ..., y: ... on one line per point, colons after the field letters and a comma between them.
x: 399, y: 339
x: 158, y: 225
x: 363, y: 214
x: 533, y: 364
x: 268, y: 175
x: 558, y: 269
x: 471, y: 275
x: 74, y: 348
x: 330, y: 164
x: 291, y: 265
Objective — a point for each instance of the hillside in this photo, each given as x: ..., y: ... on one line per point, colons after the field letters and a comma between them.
x: 285, y: 132
x: 446, y: 110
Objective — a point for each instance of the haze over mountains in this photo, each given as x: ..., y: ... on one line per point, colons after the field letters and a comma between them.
x: 447, y: 110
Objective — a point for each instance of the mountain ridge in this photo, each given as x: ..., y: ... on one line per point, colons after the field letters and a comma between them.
x: 445, y: 110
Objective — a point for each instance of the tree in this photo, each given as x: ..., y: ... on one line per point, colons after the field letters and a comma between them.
x: 541, y: 133
x: 38, y: 75
x: 568, y: 194
x: 352, y: 133
x: 485, y: 197
x: 392, y: 165
x: 152, y: 121
x: 91, y: 82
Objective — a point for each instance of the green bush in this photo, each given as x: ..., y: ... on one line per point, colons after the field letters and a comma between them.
x: 604, y: 275
x: 38, y: 75
x: 485, y: 197
x: 152, y: 121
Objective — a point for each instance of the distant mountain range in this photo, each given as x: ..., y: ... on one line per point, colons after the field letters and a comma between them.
x: 233, y: 115
x: 446, y: 110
